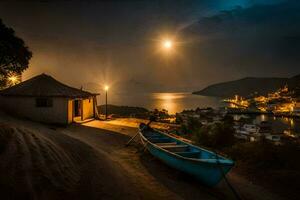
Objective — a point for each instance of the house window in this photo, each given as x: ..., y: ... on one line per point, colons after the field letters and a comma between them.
x: 43, y: 102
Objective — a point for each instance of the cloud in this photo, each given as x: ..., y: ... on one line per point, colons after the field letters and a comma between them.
x: 262, y: 40
x: 114, y: 41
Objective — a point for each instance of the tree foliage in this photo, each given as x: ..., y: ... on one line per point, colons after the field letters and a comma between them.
x: 191, y: 126
x: 264, y: 154
x: 217, y: 136
x: 14, y: 54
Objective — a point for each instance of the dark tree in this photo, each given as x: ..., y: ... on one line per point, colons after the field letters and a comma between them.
x: 14, y: 54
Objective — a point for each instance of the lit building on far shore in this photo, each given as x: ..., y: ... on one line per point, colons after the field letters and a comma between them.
x: 296, y: 109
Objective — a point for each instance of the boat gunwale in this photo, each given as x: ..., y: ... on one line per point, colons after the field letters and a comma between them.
x: 186, y: 158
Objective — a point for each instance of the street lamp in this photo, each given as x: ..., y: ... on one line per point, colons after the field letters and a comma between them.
x: 13, y: 80
x: 106, y: 90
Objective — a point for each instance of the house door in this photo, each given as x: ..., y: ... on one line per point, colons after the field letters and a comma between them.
x: 77, y: 108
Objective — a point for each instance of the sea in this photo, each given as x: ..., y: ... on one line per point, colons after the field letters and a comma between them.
x: 175, y: 102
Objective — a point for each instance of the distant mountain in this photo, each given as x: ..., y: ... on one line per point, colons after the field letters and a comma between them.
x: 248, y: 86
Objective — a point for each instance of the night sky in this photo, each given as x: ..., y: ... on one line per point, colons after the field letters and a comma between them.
x: 93, y: 43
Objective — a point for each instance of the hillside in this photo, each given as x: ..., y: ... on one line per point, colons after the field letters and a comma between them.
x: 89, y: 161
x: 122, y: 110
x: 249, y: 85
x: 41, y: 163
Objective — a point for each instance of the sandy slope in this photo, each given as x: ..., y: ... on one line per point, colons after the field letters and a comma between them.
x: 46, y: 164
x: 90, y: 161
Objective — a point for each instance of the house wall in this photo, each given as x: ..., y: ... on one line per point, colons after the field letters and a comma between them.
x: 70, y: 110
x: 26, y: 107
x: 88, y: 108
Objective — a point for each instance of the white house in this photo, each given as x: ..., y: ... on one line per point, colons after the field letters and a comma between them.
x: 44, y: 99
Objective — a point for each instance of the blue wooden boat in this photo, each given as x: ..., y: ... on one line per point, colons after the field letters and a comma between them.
x: 206, y: 166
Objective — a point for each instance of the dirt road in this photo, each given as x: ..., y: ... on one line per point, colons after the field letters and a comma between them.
x: 90, y: 161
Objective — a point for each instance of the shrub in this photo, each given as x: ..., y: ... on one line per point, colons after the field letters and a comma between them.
x: 218, y: 136
x: 265, y: 155
x: 191, y: 127
x: 223, y: 134
x: 202, y: 136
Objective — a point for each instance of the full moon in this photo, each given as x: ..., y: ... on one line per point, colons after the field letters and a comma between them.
x: 167, y: 44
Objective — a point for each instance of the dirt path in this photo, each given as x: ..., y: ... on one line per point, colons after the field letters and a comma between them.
x: 89, y: 161
x: 144, y: 170
x: 173, y: 180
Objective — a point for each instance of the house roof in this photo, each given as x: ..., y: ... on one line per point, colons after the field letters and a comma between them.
x: 44, y: 86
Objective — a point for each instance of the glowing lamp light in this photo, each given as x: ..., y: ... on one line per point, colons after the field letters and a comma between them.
x: 13, y: 79
x: 106, y: 88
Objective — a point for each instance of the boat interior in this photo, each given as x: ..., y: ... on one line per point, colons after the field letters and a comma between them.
x: 178, y: 147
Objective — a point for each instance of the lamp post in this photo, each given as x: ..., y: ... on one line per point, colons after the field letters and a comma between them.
x: 106, y: 90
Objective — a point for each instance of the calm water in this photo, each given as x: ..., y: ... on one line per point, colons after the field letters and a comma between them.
x: 173, y: 102
x: 177, y: 102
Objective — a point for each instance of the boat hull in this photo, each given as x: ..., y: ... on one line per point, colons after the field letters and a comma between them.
x: 208, y: 171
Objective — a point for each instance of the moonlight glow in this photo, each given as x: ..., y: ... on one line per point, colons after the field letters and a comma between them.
x: 167, y: 44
